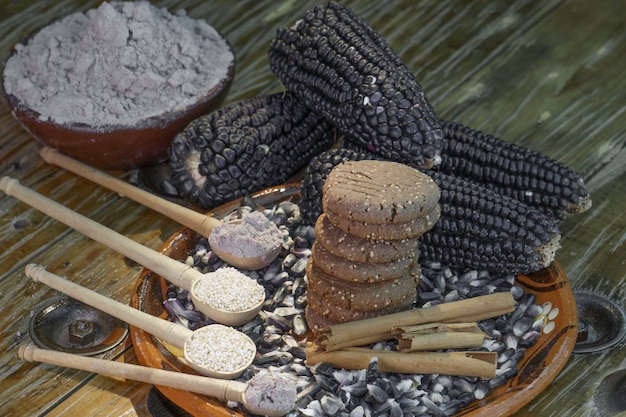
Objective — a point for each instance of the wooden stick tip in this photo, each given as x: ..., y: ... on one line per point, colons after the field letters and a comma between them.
x: 26, y: 352
x: 46, y: 152
x: 32, y: 271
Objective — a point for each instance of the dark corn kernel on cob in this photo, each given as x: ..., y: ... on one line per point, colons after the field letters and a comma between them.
x: 477, y: 229
x: 246, y: 147
x: 342, y: 68
x: 512, y: 170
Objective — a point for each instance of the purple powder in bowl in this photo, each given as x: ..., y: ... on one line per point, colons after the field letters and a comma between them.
x: 116, y: 65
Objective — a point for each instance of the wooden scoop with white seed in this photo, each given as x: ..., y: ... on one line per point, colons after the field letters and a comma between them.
x: 173, y: 333
x: 277, y: 397
x: 194, y: 220
x: 172, y: 270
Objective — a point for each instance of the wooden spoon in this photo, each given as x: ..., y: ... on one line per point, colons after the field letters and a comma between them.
x: 199, y: 222
x: 174, y: 271
x: 277, y: 397
x: 173, y: 333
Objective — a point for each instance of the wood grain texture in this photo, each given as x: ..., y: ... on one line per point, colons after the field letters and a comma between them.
x: 107, y: 397
x: 544, y: 74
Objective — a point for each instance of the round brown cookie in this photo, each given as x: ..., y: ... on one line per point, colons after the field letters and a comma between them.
x: 359, y: 249
x: 336, y: 314
x: 360, y: 297
x: 359, y: 272
x: 379, y: 192
x: 314, y: 320
x: 391, y: 231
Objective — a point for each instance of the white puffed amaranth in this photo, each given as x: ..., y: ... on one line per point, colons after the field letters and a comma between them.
x: 220, y: 348
x: 229, y: 289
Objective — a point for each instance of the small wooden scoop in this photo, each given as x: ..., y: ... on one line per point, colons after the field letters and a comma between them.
x: 199, y: 222
x: 174, y: 271
x: 265, y: 394
x: 170, y: 332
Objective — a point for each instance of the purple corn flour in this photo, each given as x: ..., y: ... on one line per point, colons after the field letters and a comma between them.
x: 254, y: 236
x: 117, y: 64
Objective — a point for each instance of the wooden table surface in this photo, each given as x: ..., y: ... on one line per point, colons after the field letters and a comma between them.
x: 545, y: 74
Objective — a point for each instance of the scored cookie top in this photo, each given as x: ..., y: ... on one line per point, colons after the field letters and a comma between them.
x: 379, y: 192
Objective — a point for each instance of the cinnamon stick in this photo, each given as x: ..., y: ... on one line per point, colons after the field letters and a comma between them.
x: 437, y: 336
x: 465, y: 311
x: 365, y: 340
x: 479, y: 364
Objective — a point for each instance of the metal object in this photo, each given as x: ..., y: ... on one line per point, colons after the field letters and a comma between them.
x: 610, y: 396
x: 67, y: 325
x: 602, y: 323
x: 81, y: 332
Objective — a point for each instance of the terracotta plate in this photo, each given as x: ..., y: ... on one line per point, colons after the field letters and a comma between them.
x: 540, y: 365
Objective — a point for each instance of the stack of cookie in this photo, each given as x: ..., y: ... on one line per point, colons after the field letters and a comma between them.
x: 364, y: 259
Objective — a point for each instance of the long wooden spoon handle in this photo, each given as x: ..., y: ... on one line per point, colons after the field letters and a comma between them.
x: 199, y: 222
x: 173, y: 333
x: 174, y: 271
x: 217, y: 388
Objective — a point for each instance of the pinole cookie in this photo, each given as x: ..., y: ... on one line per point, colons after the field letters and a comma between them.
x: 359, y: 297
x: 314, y: 320
x: 337, y: 314
x: 379, y: 192
x: 358, y: 272
x: 354, y: 248
x: 391, y: 231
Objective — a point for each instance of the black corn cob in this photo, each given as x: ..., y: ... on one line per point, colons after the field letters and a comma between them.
x: 246, y: 147
x: 512, y: 170
x: 341, y: 67
x: 481, y: 229
x: 509, y: 169
x: 477, y: 229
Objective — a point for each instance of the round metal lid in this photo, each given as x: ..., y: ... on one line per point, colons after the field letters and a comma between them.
x: 610, y: 396
x: 67, y: 325
x: 601, y: 322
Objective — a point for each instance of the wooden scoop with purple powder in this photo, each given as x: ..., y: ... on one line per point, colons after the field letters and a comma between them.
x: 233, y: 306
x: 258, y: 250
x: 265, y: 394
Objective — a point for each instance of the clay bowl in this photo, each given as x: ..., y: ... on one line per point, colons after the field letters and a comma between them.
x: 117, y: 147
x: 541, y: 363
